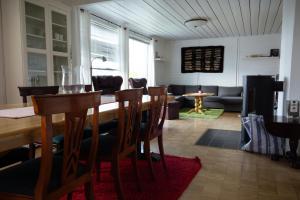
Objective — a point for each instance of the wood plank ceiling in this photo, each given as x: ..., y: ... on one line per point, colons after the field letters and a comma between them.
x: 165, y: 18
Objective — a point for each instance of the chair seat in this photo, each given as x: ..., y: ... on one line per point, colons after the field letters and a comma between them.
x: 105, y: 145
x: 21, y: 179
x: 13, y: 156
x: 103, y: 128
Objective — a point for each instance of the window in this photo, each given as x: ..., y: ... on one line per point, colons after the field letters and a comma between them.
x: 105, y: 48
x: 138, y: 58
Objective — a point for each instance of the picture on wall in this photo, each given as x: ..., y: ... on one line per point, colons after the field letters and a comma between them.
x: 209, y: 59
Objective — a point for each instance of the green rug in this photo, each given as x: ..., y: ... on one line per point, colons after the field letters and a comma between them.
x: 208, y: 114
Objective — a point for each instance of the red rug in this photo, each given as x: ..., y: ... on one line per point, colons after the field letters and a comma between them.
x: 181, y: 172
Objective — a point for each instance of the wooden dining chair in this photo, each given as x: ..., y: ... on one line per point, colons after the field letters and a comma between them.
x: 38, y: 90
x: 153, y: 128
x: 54, y: 175
x: 22, y: 154
x: 118, y: 145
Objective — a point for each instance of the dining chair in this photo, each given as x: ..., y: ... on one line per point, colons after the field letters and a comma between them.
x: 36, y: 90
x: 120, y: 144
x: 22, y: 154
x: 76, y: 88
x: 153, y: 128
x: 54, y: 175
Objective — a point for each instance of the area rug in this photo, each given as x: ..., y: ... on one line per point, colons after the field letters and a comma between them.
x: 181, y: 173
x: 226, y: 139
x: 208, y: 114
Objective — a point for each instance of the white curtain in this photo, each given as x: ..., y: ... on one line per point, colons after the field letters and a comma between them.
x: 81, y: 46
x: 124, y: 55
x: 85, y: 42
x: 76, y: 60
x: 151, y: 65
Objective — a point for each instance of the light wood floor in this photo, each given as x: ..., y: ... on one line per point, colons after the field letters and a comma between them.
x: 229, y: 174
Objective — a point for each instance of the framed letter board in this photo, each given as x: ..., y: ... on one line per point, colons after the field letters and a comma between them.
x: 208, y: 59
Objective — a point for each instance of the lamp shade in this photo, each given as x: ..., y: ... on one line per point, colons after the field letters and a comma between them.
x: 196, y: 22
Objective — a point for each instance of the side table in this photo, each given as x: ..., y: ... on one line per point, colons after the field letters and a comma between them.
x: 286, y: 128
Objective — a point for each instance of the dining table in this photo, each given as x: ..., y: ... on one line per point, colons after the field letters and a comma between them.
x: 20, y: 126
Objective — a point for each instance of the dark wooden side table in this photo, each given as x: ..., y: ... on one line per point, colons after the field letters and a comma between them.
x: 286, y: 128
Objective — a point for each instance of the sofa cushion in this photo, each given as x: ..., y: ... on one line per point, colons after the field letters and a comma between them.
x: 232, y: 100
x: 177, y: 89
x: 212, y: 99
x: 191, y: 88
x: 213, y: 104
x: 180, y: 98
x: 230, y: 91
x: 190, y: 98
x: 210, y: 89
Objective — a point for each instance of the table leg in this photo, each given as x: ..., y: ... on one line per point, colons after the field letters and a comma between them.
x: 294, y: 146
x: 195, y: 109
x: 200, y: 106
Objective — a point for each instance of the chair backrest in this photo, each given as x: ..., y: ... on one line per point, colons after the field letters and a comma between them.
x: 157, y: 112
x: 75, y: 108
x: 107, y: 84
x: 130, y: 111
x: 138, y: 83
x: 29, y: 91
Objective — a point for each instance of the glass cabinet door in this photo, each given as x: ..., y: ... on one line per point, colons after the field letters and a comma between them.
x: 62, y: 72
x: 36, y: 39
x: 37, y: 69
x: 59, y: 32
x: 35, y: 26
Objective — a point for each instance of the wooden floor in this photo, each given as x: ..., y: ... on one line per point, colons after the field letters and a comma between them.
x: 229, y: 174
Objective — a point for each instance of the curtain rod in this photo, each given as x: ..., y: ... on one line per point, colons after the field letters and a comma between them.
x: 140, y: 34
x: 119, y: 25
x: 106, y: 20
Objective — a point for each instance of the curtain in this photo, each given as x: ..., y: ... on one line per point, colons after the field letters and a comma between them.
x: 85, y: 41
x: 80, y: 46
x: 151, y: 65
x: 124, y: 55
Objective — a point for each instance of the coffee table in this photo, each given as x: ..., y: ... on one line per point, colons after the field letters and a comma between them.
x: 198, y: 101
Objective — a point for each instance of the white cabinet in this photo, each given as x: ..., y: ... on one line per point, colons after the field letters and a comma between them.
x: 36, y: 43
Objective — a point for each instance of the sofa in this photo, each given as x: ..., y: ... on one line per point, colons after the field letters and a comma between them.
x: 228, y: 98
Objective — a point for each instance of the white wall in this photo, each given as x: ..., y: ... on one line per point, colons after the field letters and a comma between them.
x: 13, y: 49
x: 162, y: 47
x: 236, y: 63
x: 2, y: 80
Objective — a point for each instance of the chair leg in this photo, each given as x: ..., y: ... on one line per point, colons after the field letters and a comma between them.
x: 139, y: 148
x: 88, y: 190
x: 148, y: 157
x: 135, y: 168
x: 116, y: 175
x: 162, y: 154
x: 69, y: 197
x: 98, y: 170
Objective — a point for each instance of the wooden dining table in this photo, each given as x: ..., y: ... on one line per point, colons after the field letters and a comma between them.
x: 15, y: 132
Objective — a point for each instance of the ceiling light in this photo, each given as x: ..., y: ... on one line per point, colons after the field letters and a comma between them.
x: 195, y: 22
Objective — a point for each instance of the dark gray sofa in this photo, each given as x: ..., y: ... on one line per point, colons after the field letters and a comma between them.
x: 228, y: 98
